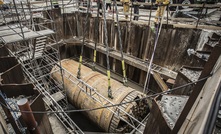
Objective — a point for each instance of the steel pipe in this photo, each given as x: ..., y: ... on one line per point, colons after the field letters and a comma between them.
x: 104, y: 118
x: 28, y: 118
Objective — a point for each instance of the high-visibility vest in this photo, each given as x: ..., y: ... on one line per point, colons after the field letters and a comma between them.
x: 1, y: 2
x: 163, y: 1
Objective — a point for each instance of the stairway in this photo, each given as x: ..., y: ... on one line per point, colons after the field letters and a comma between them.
x: 39, y: 46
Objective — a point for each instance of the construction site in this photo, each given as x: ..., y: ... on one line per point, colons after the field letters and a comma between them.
x: 75, y: 67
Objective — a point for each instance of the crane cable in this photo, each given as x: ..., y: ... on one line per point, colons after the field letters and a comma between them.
x: 121, y: 47
x: 83, y: 43
x: 96, y: 34
x: 158, y: 30
x: 107, y: 51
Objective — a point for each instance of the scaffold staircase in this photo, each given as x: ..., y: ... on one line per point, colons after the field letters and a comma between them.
x: 39, y: 46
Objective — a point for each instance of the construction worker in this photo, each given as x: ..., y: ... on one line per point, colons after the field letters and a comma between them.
x: 1, y: 2
x: 3, y: 5
x: 161, y: 4
x: 136, y: 9
x: 55, y: 3
x: 108, y: 4
x: 99, y: 4
x: 126, y: 5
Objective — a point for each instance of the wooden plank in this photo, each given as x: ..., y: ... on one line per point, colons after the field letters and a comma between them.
x: 56, y: 96
x: 130, y: 60
x: 7, y: 63
x: 14, y: 90
x: 3, y: 51
x: 160, y: 82
x: 43, y: 122
x: 171, y: 81
x: 9, y: 75
x: 194, y: 26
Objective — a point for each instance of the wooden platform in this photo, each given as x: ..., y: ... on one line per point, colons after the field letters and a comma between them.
x: 56, y: 96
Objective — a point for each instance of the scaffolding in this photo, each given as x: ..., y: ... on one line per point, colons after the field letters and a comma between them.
x: 32, y: 43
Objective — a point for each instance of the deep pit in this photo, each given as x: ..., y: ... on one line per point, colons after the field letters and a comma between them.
x: 65, y: 67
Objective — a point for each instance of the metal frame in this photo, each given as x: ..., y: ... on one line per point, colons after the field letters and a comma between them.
x: 38, y: 81
x: 37, y: 68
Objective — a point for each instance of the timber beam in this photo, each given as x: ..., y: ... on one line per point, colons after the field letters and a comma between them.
x: 130, y: 60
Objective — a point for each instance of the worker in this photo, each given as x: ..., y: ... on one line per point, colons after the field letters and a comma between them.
x: 108, y: 4
x: 3, y: 5
x: 99, y: 2
x: 161, y: 4
x: 126, y: 5
x: 1, y: 2
x: 136, y: 9
x: 55, y: 3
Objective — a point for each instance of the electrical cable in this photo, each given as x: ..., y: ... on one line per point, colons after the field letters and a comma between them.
x: 108, y: 106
